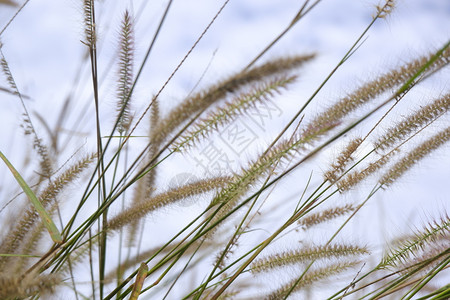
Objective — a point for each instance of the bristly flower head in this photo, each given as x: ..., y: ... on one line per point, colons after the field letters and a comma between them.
x: 384, y: 10
x: 126, y: 53
x: 89, y: 23
x: 415, y: 156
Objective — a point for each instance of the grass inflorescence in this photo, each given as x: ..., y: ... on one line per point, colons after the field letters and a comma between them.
x: 217, y: 196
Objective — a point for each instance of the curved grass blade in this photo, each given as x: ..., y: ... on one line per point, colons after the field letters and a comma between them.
x: 137, y: 287
x: 51, y: 227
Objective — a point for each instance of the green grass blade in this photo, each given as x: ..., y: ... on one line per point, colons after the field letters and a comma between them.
x: 51, y: 227
x: 137, y: 287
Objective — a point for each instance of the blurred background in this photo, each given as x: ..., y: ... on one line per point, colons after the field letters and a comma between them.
x: 43, y: 47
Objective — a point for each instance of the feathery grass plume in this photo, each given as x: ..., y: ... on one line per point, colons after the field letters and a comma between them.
x: 355, y: 177
x: 386, y: 9
x: 12, y: 92
x: 46, y: 163
x: 261, y: 91
x: 240, y: 184
x: 200, y: 101
x: 223, y: 255
x: 14, y: 287
x: 89, y: 25
x: 133, y: 261
x: 30, y: 244
x: 71, y: 173
x: 420, y: 241
x: 345, y: 157
x: 175, y: 260
x: 155, y: 116
x: 8, y: 3
x: 376, y: 87
x: 25, y: 223
x: 48, y: 198
x: 305, y: 255
x: 141, y: 193
x: 399, y: 168
x: 154, y: 145
x: 282, y: 151
x: 145, y: 187
x: 126, y: 55
x: 314, y: 219
x: 431, y: 254
x: 139, y: 210
x: 310, y: 278
x: 415, y: 121
x: 8, y: 75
